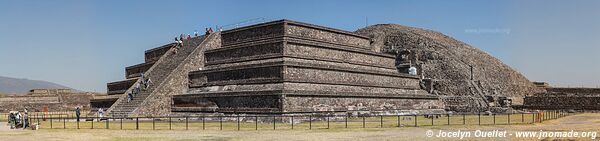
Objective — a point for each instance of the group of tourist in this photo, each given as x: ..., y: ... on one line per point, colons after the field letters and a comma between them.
x: 17, y: 119
x: 139, y: 87
x: 179, y: 40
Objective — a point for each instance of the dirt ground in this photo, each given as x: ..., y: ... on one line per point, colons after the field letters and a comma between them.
x: 589, y: 122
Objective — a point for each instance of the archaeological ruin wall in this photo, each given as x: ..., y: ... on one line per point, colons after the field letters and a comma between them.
x: 292, y: 67
x: 564, y: 99
x: 54, y: 99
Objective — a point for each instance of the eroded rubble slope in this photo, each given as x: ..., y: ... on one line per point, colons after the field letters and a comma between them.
x: 448, y: 61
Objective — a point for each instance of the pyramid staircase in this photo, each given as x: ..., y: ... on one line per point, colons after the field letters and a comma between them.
x: 157, y: 72
x: 478, y: 91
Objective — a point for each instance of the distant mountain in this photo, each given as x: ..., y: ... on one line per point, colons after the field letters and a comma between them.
x: 21, y: 86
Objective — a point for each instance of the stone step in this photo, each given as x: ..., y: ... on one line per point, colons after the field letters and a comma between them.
x: 160, y: 72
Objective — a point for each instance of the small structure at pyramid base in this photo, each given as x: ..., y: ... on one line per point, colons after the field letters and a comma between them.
x: 557, y: 98
x: 285, y: 67
x: 52, y: 100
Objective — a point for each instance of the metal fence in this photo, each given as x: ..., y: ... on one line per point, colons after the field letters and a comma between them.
x: 43, y: 115
x: 275, y: 122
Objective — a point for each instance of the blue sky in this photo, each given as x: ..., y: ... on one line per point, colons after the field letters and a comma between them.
x: 84, y: 44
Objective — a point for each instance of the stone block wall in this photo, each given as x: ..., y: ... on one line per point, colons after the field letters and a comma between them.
x: 339, y: 54
x: 259, y: 67
x: 564, y: 99
x: 48, y: 91
x: 562, y: 102
x: 135, y: 70
x: 54, y: 102
x: 325, y: 104
x: 102, y: 102
x: 574, y: 90
x: 152, y: 55
x: 249, y: 34
x: 120, y: 87
x: 309, y: 31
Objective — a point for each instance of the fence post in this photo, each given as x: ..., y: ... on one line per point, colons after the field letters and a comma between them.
x: 220, y: 122
x: 380, y: 121
x: 92, y: 122
x: 51, y: 123
x: 238, y: 122
x: 398, y: 124
x: 153, y: 127
x: 542, y: 116
x: 464, y: 122
x: 64, y: 123
x: 169, y: 123
x: 479, y: 118
x: 107, y: 122
x: 274, y: 122
x: 448, y: 115
x: 494, y: 116
x: 310, y: 122
x: 137, y: 123
x: 346, y: 121
x: 121, y: 124
x: 203, y: 124
x: 416, y: 121
x: 522, y: 118
x: 432, y: 121
x: 186, y: 123
x: 532, y: 118
x: 255, y: 122
x: 292, y: 122
x: 363, y: 121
